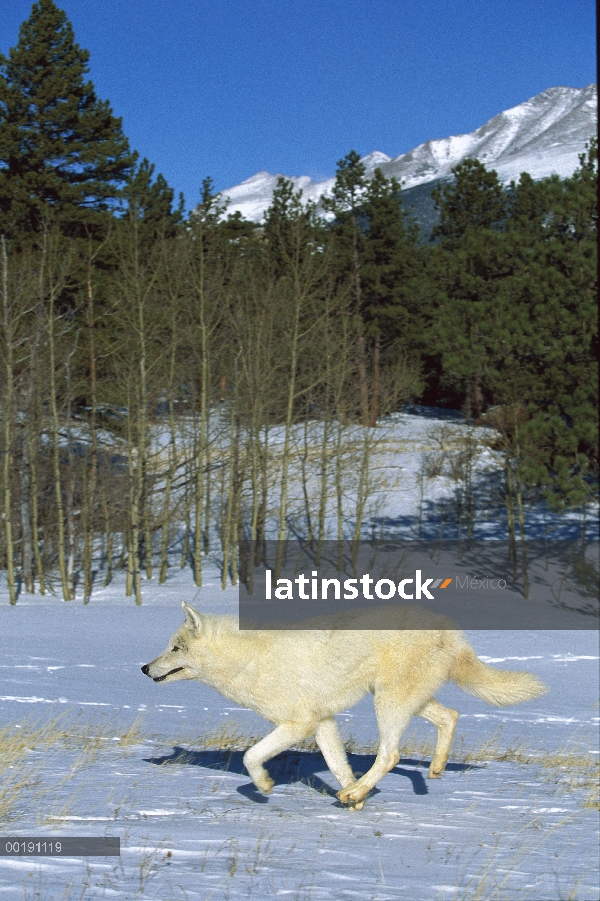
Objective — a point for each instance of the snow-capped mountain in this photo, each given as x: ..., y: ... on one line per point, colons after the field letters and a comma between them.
x: 542, y: 136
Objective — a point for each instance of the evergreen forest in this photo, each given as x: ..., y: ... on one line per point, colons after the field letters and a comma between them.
x: 167, y: 378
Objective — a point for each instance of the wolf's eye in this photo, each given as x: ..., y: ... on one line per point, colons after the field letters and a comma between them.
x: 176, y: 648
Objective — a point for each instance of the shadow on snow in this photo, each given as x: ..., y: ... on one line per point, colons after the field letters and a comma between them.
x: 296, y: 767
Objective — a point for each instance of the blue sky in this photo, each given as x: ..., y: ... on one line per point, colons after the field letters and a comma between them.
x: 229, y: 87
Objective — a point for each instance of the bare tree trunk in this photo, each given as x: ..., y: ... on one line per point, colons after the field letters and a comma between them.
x: 339, y: 487
x: 509, y: 502
x: 172, y: 467
x: 136, y: 485
x: 108, y: 546
x: 468, y: 406
x: 304, y: 479
x: 362, y: 493
x: 521, y: 519
x: 285, y: 462
x: 376, y: 381
x: 237, y: 526
x: 208, y: 484
x: 122, y: 562
x: 228, y: 522
x: 361, y: 346
x: 470, y: 454
x: 25, y: 504
x: 185, y: 545
x: 70, y: 486
x: 8, y: 418
x: 39, y: 566
x: 146, y: 511
x: 254, y: 477
x: 362, y: 380
x: 27, y: 469
x: 261, y: 544
x: 132, y: 575
x: 92, y: 473
x: 58, y: 493
x: 523, y: 541
x: 584, y: 507
x: 323, y: 488
x: 477, y: 397
x: 458, y: 493
x: 202, y: 468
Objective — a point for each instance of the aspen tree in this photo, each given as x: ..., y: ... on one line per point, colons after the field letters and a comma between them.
x: 206, y: 248
x: 70, y: 475
x: 51, y: 283
x: 8, y: 336
x: 175, y: 263
x: 93, y: 249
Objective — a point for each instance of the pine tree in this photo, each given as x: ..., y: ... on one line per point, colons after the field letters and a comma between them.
x: 472, y: 201
x: 375, y: 252
x: 291, y: 228
x: 470, y: 265
x: 150, y: 203
x: 390, y: 259
x: 346, y: 202
x: 551, y: 360
x: 62, y: 152
x: 224, y: 239
x: 390, y: 264
x: 212, y: 207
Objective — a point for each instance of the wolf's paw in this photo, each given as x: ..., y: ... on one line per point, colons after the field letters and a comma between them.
x: 435, y: 774
x: 353, y: 795
x: 264, y: 783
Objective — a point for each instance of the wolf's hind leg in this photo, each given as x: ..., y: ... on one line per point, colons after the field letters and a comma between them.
x: 280, y: 739
x: 328, y: 739
x: 445, y: 719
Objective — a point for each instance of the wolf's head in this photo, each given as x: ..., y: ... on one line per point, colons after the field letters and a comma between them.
x: 176, y: 661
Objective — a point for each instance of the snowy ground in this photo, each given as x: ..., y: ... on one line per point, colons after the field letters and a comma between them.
x: 511, y: 819
x: 193, y: 827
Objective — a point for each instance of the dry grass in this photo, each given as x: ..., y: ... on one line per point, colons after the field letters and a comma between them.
x: 21, y: 767
x: 67, y: 731
x: 570, y: 768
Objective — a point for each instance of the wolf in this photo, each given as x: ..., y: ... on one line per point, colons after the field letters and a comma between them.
x: 299, y: 680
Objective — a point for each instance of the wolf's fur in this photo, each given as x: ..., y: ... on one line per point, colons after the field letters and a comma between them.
x: 300, y: 679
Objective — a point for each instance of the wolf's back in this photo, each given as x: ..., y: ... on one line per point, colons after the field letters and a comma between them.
x: 499, y: 687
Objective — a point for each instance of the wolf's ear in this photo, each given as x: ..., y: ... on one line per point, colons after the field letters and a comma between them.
x: 193, y: 620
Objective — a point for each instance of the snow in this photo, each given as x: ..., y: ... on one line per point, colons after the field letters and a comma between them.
x: 509, y: 820
x: 542, y: 136
x: 191, y: 823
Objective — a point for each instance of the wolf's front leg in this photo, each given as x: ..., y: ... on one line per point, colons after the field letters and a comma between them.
x: 392, y: 720
x: 332, y: 749
x: 280, y: 739
x: 328, y: 739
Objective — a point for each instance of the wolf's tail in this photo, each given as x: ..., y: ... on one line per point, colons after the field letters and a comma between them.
x: 499, y: 687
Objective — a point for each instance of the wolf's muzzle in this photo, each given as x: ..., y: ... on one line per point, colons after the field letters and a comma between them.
x: 146, y: 668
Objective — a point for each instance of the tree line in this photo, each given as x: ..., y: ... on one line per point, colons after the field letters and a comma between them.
x: 164, y: 371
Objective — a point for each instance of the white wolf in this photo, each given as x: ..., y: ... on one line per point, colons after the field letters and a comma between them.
x: 300, y: 679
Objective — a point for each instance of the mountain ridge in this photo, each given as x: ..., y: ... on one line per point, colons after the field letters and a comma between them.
x: 542, y: 136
